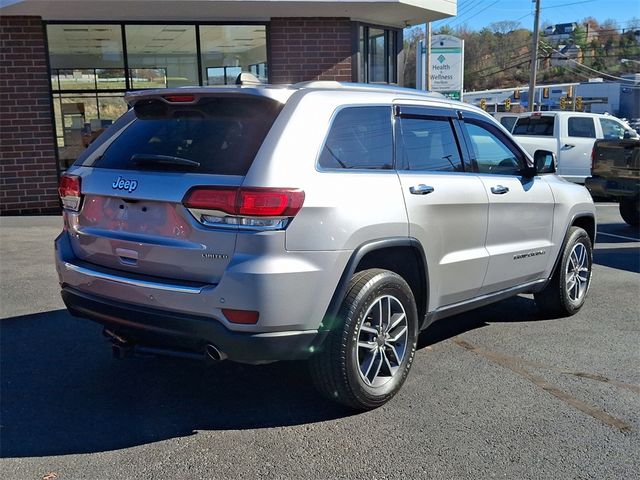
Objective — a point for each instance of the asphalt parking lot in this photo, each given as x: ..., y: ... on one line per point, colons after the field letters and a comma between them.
x: 496, y: 393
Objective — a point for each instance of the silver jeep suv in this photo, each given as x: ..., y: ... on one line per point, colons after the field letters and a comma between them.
x: 321, y: 221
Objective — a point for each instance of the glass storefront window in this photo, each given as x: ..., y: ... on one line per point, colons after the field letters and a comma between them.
x: 162, y: 56
x: 228, y: 50
x: 377, y: 55
x: 81, y: 118
x: 77, y: 53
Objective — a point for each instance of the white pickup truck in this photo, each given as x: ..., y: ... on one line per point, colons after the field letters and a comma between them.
x: 570, y: 135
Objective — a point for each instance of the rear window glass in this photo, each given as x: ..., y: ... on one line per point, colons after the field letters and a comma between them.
x: 360, y: 137
x: 219, y: 135
x: 538, y: 125
x: 581, y: 127
x: 508, y: 122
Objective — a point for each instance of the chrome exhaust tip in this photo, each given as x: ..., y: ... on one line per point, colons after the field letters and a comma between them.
x: 213, y: 353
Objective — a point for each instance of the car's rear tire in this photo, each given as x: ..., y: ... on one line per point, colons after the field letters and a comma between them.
x: 630, y: 210
x: 566, y: 292
x: 367, y: 355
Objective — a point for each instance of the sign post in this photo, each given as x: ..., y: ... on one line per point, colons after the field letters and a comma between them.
x: 446, y: 66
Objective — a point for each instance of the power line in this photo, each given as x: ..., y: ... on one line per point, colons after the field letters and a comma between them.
x: 463, y: 11
x: 578, y: 64
x: 461, y: 6
x: 567, y: 4
x: 458, y: 21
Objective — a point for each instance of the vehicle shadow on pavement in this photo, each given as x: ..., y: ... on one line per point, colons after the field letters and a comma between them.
x: 618, y: 229
x: 512, y: 310
x: 624, y: 258
x: 62, y: 393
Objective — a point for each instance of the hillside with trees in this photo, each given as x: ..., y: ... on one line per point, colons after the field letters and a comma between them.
x: 498, y: 56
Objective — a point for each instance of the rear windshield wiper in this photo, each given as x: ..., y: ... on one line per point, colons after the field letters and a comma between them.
x: 148, y: 159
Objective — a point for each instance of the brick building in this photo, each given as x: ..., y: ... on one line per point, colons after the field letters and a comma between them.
x: 66, y: 64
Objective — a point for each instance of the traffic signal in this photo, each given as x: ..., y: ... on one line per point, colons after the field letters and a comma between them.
x: 545, y: 92
x: 579, y: 103
x: 516, y: 94
x: 563, y: 103
x: 507, y: 104
x: 483, y: 104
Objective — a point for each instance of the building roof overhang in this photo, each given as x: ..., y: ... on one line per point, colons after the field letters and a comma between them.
x: 399, y: 13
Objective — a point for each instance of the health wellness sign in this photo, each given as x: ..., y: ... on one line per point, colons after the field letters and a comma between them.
x: 447, y: 65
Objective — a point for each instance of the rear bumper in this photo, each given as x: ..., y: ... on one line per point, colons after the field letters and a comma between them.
x: 277, y: 286
x: 160, y: 328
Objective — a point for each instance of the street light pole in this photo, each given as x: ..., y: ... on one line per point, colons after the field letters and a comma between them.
x: 534, y: 57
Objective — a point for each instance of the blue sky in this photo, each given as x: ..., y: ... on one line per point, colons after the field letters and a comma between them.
x: 480, y: 13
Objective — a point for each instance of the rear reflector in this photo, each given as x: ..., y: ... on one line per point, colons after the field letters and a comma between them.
x: 70, y: 192
x: 251, y: 202
x: 246, y: 317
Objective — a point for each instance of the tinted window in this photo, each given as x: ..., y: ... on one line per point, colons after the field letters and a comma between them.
x: 611, y: 129
x: 360, y: 137
x: 535, y: 125
x: 427, y: 144
x: 492, y: 155
x: 218, y: 135
x: 508, y: 122
x: 581, y: 127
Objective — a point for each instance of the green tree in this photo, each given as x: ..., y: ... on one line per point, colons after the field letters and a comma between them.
x: 579, y: 36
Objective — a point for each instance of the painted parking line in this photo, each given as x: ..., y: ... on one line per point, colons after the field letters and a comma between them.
x: 632, y: 239
x: 512, y: 363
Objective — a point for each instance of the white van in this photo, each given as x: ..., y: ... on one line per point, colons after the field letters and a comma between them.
x: 570, y: 135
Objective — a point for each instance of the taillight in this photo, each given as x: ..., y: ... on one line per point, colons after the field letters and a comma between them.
x: 70, y: 192
x: 269, y: 202
x: 257, y: 208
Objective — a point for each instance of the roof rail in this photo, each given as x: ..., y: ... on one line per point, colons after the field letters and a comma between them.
x: 331, y: 84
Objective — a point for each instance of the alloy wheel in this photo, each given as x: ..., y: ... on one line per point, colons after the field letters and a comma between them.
x: 577, y: 274
x: 382, y: 341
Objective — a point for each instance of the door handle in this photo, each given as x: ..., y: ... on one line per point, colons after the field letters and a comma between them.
x: 567, y: 146
x: 421, y: 189
x: 499, y: 190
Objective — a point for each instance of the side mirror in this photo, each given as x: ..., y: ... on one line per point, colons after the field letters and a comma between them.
x: 544, y: 161
x: 627, y: 134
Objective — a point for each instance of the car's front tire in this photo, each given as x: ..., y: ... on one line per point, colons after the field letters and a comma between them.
x: 566, y: 292
x: 366, y: 357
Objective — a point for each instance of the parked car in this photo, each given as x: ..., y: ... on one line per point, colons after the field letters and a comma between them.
x: 321, y: 221
x: 570, y: 135
x: 615, y: 173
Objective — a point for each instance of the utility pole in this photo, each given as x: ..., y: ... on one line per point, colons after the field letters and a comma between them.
x: 427, y: 63
x: 534, y: 57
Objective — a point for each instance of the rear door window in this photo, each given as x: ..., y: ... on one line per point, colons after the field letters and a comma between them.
x: 581, y: 127
x: 535, y: 125
x: 611, y: 129
x: 359, y: 138
x: 427, y: 144
x: 218, y: 135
